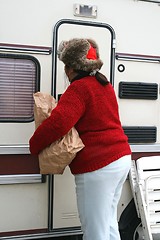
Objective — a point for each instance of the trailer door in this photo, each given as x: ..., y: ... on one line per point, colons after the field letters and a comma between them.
x: 63, y: 202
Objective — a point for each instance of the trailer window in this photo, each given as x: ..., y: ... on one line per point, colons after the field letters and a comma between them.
x: 19, y: 79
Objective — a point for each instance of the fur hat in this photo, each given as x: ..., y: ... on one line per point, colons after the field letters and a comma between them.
x: 80, y: 54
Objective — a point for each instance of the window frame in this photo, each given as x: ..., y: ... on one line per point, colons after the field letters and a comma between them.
x: 37, y: 85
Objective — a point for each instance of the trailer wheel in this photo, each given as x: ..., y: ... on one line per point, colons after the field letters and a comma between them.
x: 129, y: 223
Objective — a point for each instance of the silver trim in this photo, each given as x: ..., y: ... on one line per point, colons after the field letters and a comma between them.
x: 21, y: 178
x: 14, y: 149
x: 145, y: 148
x: 137, y: 57
x: 59, y: 233
x: 152, y: 1
x: 15, y: 48
x: 24, y: 149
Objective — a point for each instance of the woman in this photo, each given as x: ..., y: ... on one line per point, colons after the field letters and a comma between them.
x: 101, y: 167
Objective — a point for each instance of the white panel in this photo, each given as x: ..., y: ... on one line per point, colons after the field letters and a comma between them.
x: 64, y: 204
x: 139, y: 112
x: 23, y: 207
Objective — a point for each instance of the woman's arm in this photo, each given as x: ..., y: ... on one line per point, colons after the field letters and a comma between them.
x: 67, y: 112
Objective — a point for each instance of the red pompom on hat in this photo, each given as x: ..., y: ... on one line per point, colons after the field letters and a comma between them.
x: 91, y: 53
x: 80, y: 54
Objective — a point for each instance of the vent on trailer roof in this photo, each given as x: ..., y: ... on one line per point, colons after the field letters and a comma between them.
x: 138, y: 134
x: 138, y: 90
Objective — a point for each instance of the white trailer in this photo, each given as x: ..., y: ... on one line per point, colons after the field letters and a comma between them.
x: 33, y: 206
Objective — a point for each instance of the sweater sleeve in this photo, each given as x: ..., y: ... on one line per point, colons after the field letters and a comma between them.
x: 69, y: 110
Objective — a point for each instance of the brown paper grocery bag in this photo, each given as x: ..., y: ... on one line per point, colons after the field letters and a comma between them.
x: 55, y: 158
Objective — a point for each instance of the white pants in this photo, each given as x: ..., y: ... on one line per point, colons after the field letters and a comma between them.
x: 98, y: 194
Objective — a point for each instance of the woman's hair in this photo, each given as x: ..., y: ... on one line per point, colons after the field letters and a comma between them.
x: 101, y: 78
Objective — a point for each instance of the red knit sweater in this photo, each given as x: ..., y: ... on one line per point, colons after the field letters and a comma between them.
x: 93, y: 110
